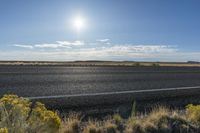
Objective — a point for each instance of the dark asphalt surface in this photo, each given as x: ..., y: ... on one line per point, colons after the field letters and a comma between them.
x: 31, y: 81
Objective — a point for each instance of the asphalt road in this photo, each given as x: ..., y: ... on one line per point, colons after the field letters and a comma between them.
x: 102, y: 88
x: 34, y: 81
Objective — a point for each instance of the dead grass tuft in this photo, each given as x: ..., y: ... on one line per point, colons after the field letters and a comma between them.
x: 71, y: 124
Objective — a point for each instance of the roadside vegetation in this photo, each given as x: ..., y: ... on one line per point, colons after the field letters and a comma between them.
x: 101, y: 63
x: 155, y: 65
x: 19, y: 115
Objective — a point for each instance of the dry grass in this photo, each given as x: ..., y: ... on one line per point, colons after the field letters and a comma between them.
x: 161, y: 120
x: 93, y: 127
x: 71, y: 124
x: 16, y: 116
x: 110, y: 127
x: 106, y: 126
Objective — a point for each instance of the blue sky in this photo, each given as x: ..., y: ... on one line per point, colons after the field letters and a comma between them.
x: 142, y: 30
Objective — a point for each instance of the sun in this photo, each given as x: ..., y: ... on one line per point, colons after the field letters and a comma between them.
x: 79, y: 23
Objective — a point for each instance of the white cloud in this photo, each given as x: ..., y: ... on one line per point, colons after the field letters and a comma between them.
x: 103, y: 40
x: 48, y: 45
x: 58, y: 44
x: 67, y: 43
x: 99, y: 54
x: 138, y: 49
x: 79, y: 50
x: 23, y: 46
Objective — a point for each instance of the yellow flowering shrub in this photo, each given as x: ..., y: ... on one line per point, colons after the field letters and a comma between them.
x: 43, y: 118
x: 3, y: 130
x: 17, y: 116
x: 193, y: 113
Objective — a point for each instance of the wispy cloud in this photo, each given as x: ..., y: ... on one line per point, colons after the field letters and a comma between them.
x: 79, y: 50
x: 23, y: 46
x: 68, y: 43
x: 48, y: 45
x: 103, y: 40
x: 141, y: 49
x: 99, y: 54
x: 57, y: 44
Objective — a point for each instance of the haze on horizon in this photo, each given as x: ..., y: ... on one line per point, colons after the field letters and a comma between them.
x: 67, y: 30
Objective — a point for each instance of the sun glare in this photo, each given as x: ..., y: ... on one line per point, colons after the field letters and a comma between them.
x: 79, y: 23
